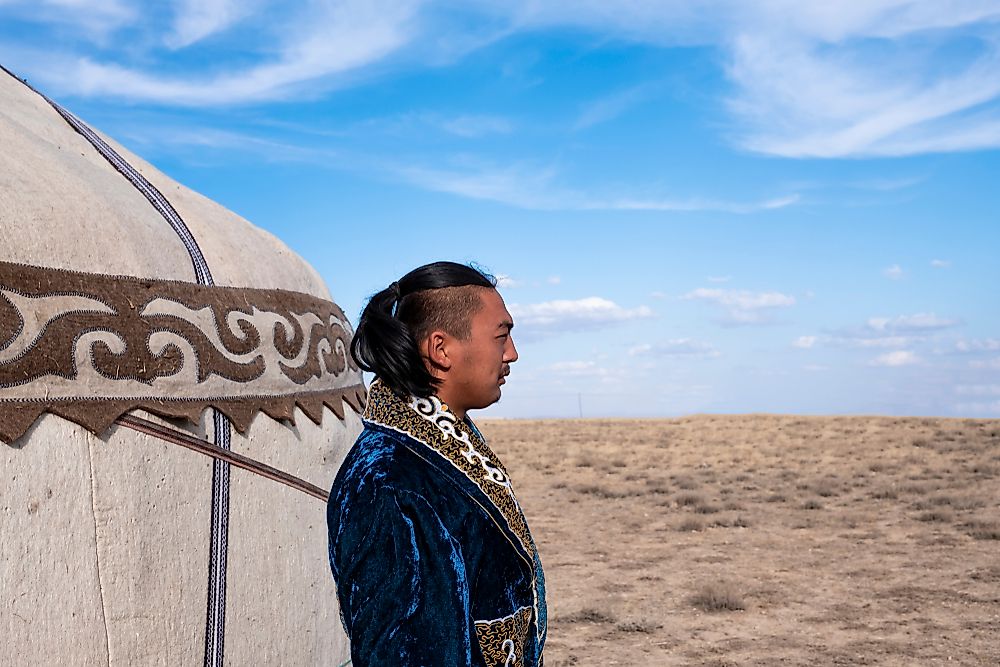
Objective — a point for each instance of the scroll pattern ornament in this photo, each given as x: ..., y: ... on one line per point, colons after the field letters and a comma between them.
x: 88, y: 345
x: 502, y: 641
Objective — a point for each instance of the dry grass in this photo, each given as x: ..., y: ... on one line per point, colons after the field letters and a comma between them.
x: 718, y: 596
x: 847, y: 540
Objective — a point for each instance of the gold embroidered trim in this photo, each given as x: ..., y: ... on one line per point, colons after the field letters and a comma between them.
x: 502, y: 641
x: 427, y: 421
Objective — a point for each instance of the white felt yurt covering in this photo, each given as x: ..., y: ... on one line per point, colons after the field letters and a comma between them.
x: 160, y: 488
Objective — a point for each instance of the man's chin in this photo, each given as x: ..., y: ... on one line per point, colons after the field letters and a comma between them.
x: 487, y: 402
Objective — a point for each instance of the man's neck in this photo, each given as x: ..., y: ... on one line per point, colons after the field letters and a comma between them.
x: 456, y: 410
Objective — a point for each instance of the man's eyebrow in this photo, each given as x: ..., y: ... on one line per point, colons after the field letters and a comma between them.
x: 506, y: 324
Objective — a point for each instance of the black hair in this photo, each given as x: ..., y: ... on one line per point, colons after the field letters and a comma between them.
x: 395, y: 319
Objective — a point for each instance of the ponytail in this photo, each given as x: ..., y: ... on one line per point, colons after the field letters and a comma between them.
x: 395, y: 319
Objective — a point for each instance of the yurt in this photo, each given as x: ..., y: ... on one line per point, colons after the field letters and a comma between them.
x: 176, y: 395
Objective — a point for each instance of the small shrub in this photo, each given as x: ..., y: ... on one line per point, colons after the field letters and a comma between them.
x: 718, y: 596
x: 600, y: 491
x: 775, y: 498
x: 885, y: 493
x: 936, y: 515
x: 686, y: 483
x: 826, y: 488
x: 688, y: 499
x: 967, y: 503
x: 646, y: 627
x: 706, y: 508
x: 691, y: 525
x: 588, y: 615
x: 812, y: 504
x: 985, y: 469
x: 983, y: 530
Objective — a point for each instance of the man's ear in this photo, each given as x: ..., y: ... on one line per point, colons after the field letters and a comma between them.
x: 435, y: 350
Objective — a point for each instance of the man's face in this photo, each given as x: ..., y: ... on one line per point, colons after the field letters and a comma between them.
x: 484, y: 358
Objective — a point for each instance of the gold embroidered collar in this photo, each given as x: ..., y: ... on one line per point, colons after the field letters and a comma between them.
x: 429, y: 422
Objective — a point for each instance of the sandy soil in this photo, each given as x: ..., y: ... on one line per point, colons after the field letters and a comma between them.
x: 764, y: 540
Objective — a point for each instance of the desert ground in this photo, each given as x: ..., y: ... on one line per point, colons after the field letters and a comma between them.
x: 764, y: 540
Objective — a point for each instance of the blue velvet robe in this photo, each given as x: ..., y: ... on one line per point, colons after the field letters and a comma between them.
x: 432, y: 556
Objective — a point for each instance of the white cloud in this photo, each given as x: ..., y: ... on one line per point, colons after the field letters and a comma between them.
x: 940, y: 263
x: 677, y: 347
x: 981, y: 408
x: 553, y: 280
x: 719, y: 279
x: 476, y: 126
x: 573, y: 315
x: 978, y: 389
x: 978, y: 345
x: 572, y: 367
x: 95, y: 20
x: 986, y: 364
x: 535, y: 187
x: 610, y: 107
x: 920, y: 322
x: 506, y: 282
x: 897, y: 358
x: 894, y: 272
x: 805, y: 342
x: 891, y: 332
x: 863, y: 78
x: 851, y: 78
x: 195, y: 20
x: 575, y: 371
x: 855, y: 77
x: 333, y: 38
x: 887, y: 341
x: 743, y: 306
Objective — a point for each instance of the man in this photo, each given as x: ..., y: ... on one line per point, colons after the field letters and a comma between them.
x: 432, y: 556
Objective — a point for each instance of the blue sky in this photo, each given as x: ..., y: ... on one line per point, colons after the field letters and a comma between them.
x: 713, y: 206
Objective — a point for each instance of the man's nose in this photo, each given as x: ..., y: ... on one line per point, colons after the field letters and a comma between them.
x: 510, y: 352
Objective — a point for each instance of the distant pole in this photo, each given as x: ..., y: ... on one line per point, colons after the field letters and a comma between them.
x: 579, y: 404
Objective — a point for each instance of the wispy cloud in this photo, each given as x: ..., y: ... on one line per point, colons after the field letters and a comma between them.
x: 851, y: 78
x: 978, y: 389
x: 978, y: 345
x: 550, y: 317
x: 896, y: 358
x: 902, y: 331
x: 326, y: 40
x: 611, y: 106
x: 506, y: 282
x: 866, y: 78
x: 940, y: 263
x: 894, y: 272
x: 677, y: 347
x: 94, y: 20
x: 743, y: 306
x: 536, y: 187
x: 194, y: 20
x: 903, y: 324
x: 476, y: 125
x: 805, y: 342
